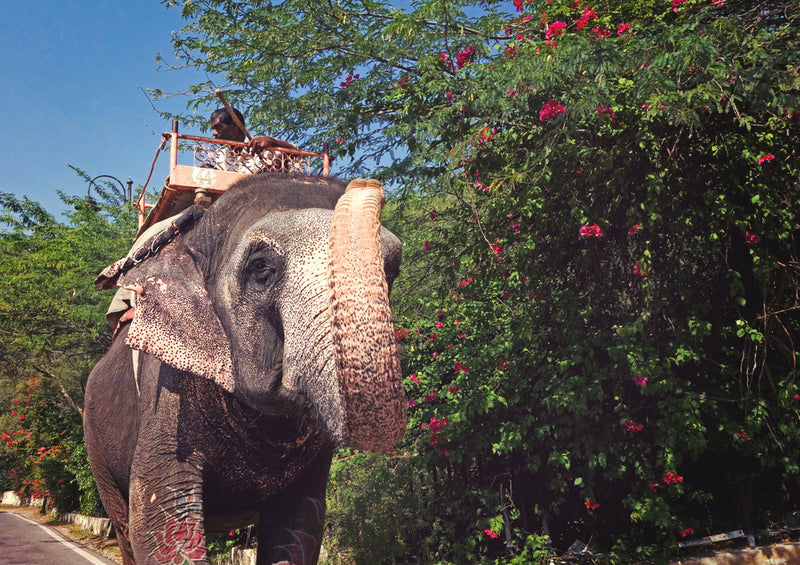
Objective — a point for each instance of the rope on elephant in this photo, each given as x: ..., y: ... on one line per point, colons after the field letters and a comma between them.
x: 161, y: 239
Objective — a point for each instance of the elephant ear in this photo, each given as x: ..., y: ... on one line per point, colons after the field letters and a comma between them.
x: 174, y: 319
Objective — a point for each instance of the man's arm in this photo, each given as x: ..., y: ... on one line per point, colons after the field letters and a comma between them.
x: 266, y: 143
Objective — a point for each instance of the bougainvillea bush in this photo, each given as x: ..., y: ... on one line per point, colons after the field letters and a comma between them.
x: 609, y: 350
x: 47, y: 444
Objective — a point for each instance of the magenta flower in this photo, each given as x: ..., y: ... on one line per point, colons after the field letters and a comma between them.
x: 765, y: 158
x: 587, y: 15
x: 686, y: 532
x: 465, y: 56
x: 633, y: 426
x: 591, y: 231
x: 553, y: 30
x: 348, y: 81
x: 640, y: 381
x: 672, y: 478
x: 639, y: 270
x: 591, y: 504
x: 623, y: 27
x: 550, y: 110
x: 604, y: 108
x: 633, y: 230
x: 742, y: 435
x: 414, y: 379
x: 490, y: 533
x: 751, y: 238
x: 675, y: 4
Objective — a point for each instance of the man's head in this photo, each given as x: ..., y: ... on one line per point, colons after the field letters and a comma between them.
x: 222, y: 125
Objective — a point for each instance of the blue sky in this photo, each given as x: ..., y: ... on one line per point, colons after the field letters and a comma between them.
x: 73, y: 73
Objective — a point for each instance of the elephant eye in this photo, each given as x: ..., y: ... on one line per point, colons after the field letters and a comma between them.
x: 261, y: 270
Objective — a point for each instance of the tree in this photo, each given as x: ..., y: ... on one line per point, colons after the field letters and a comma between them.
x: 605, y: 202
x: 52, y: 331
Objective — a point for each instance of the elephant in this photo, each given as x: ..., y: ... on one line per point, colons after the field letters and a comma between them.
x: 261, y: 340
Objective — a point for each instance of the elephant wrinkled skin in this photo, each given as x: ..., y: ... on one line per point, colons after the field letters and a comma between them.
x: 264, y: 339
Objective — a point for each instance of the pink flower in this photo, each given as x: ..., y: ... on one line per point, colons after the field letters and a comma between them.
x: 452, y: 389
x: 426, y: 245
x: 411, y: 403
x: 639, y: 270
x: 433, y: 215
x: 490, y: 533
x: 640, y: 381
x: 604, y: 108
x: 448, y: 95
x: 465, y: 57
x: 686, y: 532
x: 591, y: 231
x: 461, y: 368
x: 430, y: 396
x: 439, y: 325
x: 633, y: 426
x: 587, y: 15
x: 414, y: 379
x: 765, y: 158
x: 652, y: 486
x: 464, y: 282
x: 742, y: 435
x: 622, y: 28
x: 633, y: 230
x: 751, y: 238
x: 553, y: 30
x: 445, y: 59
x: 675, y: 3
x: 348, y: 81
x: 672, y: 478
x: 497, y: 248
x: 550, y: 110
x: 601, y: 33
x: 591, y: 505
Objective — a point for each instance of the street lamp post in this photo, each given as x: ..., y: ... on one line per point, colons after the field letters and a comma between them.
x: 126, y: 193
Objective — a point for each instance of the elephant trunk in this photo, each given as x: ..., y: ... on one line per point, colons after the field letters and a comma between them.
x: 367, y: 363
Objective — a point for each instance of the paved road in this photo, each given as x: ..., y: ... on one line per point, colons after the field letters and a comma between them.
x: 23, y: 542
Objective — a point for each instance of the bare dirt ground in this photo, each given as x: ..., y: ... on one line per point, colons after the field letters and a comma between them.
x: 105, y: 547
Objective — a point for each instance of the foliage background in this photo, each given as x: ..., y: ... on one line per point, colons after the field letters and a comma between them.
x: 598, y: 309
x: 52, y: 330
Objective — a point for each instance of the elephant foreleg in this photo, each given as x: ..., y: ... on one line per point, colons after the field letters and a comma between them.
x: 290, y: 527
x: 167, y: 524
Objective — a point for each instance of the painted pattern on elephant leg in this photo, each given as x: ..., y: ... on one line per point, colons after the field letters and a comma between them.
x: 182, y: 540
x: 298, y: 545
x: 177, y: 531
x: 306, y: 545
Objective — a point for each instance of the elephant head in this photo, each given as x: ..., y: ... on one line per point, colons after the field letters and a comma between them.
x: 282, y: 300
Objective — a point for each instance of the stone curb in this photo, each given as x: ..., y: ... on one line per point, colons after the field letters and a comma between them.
x: 781, y: 554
